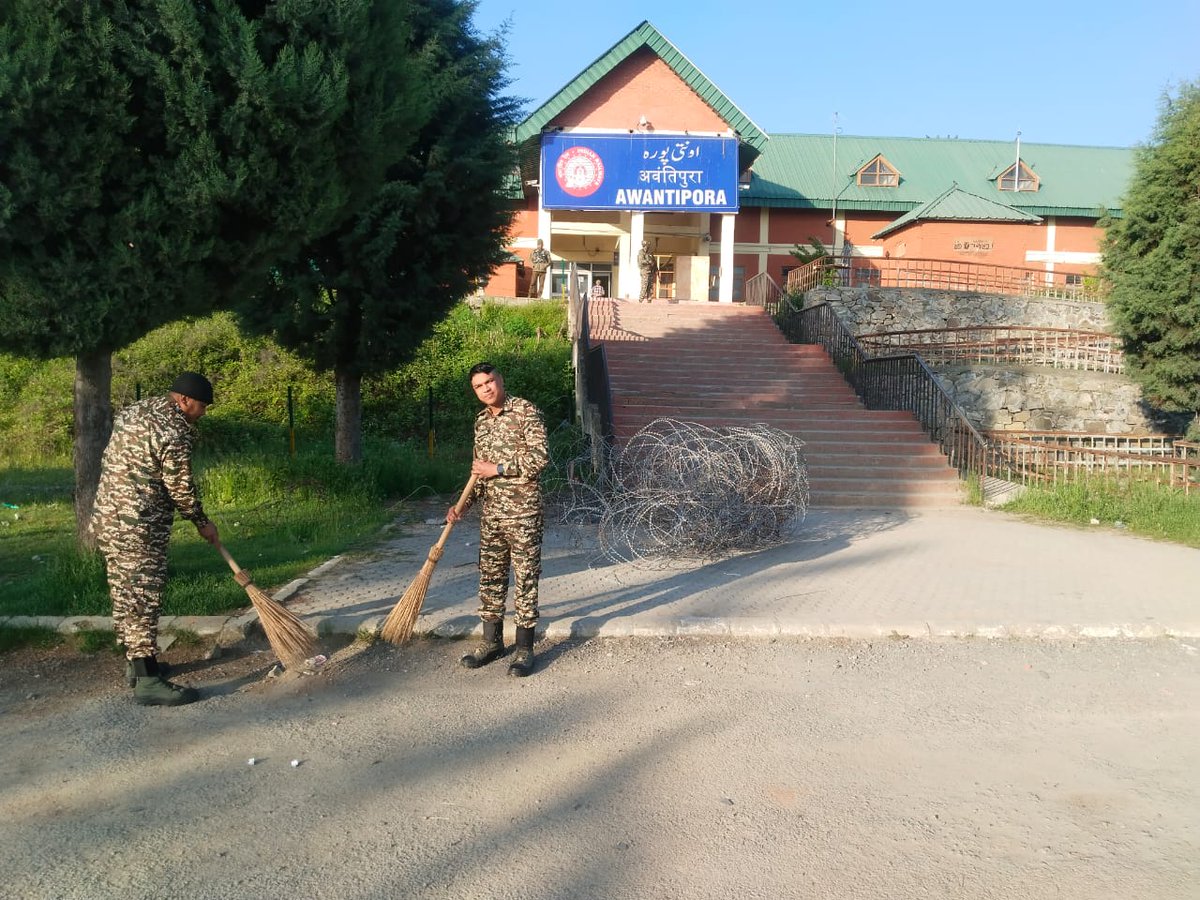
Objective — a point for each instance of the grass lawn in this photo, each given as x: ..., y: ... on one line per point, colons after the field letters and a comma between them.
x: 279, y: 518
x: 1141, y: 508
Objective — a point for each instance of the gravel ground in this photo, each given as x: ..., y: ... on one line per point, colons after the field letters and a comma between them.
x: 651, y: 768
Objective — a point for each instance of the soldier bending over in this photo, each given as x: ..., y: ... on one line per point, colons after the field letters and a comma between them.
x: 146, y: 475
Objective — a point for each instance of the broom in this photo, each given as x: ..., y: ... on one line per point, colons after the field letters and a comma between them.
x: 290, y: 638
x: 398, y: 626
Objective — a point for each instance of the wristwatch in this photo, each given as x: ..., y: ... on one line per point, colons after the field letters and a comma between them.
x: 499, y: 468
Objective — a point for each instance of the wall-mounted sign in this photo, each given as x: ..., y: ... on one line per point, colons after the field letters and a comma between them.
x: 973, y: 245
x: 679, y: 173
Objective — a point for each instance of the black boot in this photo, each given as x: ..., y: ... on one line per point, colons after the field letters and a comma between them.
x: 522, y: 663
x: 151, y: 689
x: 491, y: 647
x: 163, y: 669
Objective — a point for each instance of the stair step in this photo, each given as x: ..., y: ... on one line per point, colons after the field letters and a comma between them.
x: 724, y: 366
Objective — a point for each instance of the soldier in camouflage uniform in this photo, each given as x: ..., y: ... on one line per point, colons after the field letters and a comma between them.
x: 648, y: 267
x: 510, y: 454
x: 540, y: 261
x: 146, y: 475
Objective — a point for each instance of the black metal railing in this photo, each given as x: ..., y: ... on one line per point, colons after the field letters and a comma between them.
x: 899, y: 382
x: 905, y: 382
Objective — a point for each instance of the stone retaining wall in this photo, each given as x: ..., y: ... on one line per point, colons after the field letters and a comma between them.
x: 1037, y: 399
x: 1012, y: 398
x: 866, y: 310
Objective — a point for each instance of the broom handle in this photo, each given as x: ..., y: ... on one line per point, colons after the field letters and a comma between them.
x: 239, y: 574
x: 462, y: 501
x: 229, y: 559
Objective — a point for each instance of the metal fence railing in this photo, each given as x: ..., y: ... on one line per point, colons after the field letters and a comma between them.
x: 1148, y: 444
x: 762, y: 290
x: 940, y: 274
x: 1059, y: 348
x: 1039, y: 459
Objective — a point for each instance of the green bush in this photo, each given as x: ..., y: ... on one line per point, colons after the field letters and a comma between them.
x: 280, y: 513
x: 252, y: 376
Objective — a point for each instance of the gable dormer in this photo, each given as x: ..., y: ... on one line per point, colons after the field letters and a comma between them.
x: 878, y: 173
x: 1017, y: 178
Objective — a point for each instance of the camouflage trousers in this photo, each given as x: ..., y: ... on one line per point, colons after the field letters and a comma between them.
x: 647, y: 286
x: 137, y: 574
x: 506, y: 544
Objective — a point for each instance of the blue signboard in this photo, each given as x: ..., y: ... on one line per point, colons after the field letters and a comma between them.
x: 677, y: 173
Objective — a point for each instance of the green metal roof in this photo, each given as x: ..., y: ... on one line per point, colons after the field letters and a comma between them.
x: 802, y: 170
x: 955, y: 204
x: 644, y: 35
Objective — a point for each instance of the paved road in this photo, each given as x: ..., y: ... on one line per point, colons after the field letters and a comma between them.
x: 626, y: 769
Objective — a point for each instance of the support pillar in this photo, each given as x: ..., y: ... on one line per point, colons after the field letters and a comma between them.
x: 630, y: 274
x: 725, y: 283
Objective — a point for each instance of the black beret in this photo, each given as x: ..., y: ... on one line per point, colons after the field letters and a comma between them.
x: 194, y: 385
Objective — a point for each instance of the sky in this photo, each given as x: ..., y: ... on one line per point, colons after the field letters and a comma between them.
x: 1057, y: 71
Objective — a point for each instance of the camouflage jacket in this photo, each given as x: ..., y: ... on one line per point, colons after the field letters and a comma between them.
x: 516, y: 437
x: 146, y: 472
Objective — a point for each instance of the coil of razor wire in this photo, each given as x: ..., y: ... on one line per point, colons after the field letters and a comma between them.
x: 683, y: 491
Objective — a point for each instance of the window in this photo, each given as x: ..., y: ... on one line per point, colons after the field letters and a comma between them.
x: 1017, y: 177
x: 878, y: 173
x: 865, y: 276
x: 1074, y: 281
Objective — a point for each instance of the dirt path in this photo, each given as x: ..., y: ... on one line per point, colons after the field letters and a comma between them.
x: 623, y: 769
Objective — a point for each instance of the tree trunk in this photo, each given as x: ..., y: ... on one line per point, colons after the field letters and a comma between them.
x: 348, y: 428
x: 93, y: 425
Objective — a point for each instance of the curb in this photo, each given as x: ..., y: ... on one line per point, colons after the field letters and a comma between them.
x: 229, y: 627
x: 238, y: 627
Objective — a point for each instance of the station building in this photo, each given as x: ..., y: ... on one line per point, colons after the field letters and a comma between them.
x: 641, y: 146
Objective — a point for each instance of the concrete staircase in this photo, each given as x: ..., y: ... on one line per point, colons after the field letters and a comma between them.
x: 720, y: 365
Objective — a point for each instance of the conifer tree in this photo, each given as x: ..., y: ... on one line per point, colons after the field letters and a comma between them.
x: 158, y: 157
x: 1152, y: 260
x: 359, y: 300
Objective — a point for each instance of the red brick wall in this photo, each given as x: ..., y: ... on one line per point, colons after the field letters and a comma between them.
x: 525, y: 222
x: 506, y: 281
x: 745, y: 226
x: 1076, y: 236
x: 796, y: 226
x: 979, y: 242
x: 861, y: 225
x: 641, y: 85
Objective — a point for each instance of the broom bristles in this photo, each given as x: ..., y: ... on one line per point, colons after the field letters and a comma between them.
x: 288, y: 636
x: 398, y: 626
